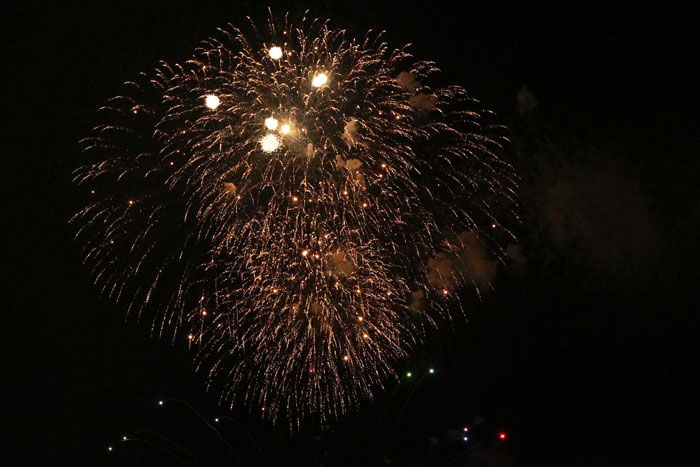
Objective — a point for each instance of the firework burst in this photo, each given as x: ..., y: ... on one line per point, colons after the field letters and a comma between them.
x: 298, y: 204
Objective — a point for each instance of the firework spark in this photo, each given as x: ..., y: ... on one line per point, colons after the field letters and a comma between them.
x: 298, y: 204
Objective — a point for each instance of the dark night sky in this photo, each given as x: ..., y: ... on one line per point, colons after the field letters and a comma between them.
x: 584, y: 353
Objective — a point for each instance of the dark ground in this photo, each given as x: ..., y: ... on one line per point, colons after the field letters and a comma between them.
x: 584, y: 354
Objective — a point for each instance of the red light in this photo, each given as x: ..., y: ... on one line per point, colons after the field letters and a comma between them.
x: 502, y: 435
x: 465, y: 429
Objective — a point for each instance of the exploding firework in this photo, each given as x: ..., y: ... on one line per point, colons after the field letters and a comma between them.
x: 300, y: 205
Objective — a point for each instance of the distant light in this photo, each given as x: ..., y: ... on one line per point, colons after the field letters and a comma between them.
x: 216, y: 420
x: 431, y: 371
x: 271, y: 123
x: 502, y: 435
x: 160, y: 402
x: 285, y: 129
x: 365, y: 335
x: 409, y: 374
x: 319, y: 80
x: 269, y: 143
x: 466, y: 438
x: 465, y: 429
x: 493, y: 226
x: 305, y: 253
x: 190, y: 336
x: 212, y: 101
x: 124, y: 438
x: 346, y: 358
x: 445, y: 291
x: 109, y: 448
x: 275, y: 53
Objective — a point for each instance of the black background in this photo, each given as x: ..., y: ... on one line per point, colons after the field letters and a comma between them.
x: 581, y: 356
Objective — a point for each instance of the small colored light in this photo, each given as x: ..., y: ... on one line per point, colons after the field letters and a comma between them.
x: 212, y: 101
x: 305, y: 253
x: 271, y: 123
x: 346, y: 358
x: 502, y: 435
x: 285, y: 129
x: 319, y: 80
x: 269, y: 143
x: 431, y: 371
x: 465, y: 429
x: 109, y: 448
x: 409, y: 374
x: 275, y: 53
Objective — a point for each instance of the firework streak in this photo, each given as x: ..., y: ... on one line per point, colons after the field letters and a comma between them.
x: 298, y: 204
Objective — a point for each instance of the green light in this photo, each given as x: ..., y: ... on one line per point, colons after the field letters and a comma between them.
x: 409, y: 374
x: 124, y: 438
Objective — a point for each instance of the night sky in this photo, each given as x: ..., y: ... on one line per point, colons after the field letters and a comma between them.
x: 584, y: 353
